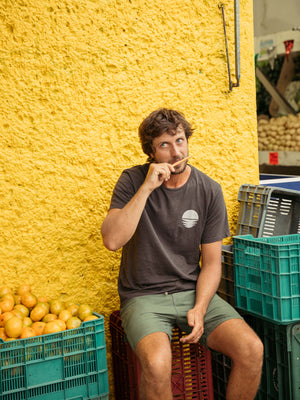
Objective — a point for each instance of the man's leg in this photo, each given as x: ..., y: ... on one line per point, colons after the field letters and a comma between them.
x: 148, y: 322
x: 154, y: 353
x: 237, y: 340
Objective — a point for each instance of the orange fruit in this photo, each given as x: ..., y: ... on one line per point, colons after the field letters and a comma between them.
x: 24, y: 288
x: 52, y: 327
x: 84, y: 311
x: 27, y: 332
x: 5, y: 317
x: 67, y: 303
x: 5, y: 290
x: 24, y: 310
x: 90, y: 318
x: 42, y: 299
x: 3, y: 335
x: 73, y: 322
x: 14, y: 327
x: 44, y: 305
x: 38, y: 327
x: 6, y: 304
x: 73, y: 308
x: 27, y: 321
x: 17, y: 298
x: 49, y: 317
x: 64, y: 315
x: 28, y: 299
x: 17, y: 313
x: 8, y: 296
x: 37, y: 313
x: 56, y: 306
x: 62, y: 324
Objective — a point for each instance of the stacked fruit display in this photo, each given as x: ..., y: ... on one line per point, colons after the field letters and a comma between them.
x: 24, y: 314
x: 282, y: 133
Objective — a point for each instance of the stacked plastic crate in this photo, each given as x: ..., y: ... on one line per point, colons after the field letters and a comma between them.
x: 264, y: 283
x: 191, y: 367
x: 59, y: 366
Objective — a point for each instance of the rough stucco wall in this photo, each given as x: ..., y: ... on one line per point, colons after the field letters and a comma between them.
x: 76, y: 79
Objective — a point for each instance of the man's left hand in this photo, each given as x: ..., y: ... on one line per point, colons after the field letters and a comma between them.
x: 195, y: 320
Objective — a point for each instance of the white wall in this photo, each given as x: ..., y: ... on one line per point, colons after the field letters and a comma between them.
x: 271, y: 16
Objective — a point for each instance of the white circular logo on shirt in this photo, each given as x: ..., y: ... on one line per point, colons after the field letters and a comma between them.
x: 190, y: 218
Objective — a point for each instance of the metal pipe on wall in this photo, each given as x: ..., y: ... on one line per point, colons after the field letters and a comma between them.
x: 237, y: 44
x: 237, y: 41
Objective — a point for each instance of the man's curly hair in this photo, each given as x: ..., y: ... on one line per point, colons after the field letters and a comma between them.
x: 159, y: 122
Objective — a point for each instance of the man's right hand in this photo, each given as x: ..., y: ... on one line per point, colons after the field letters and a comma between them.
x: 120, y: 224
x: 157, y: 174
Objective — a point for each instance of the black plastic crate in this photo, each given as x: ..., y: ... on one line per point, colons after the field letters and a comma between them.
x: 226, y: 287
x: 281, y: 368
x: 221, y: 367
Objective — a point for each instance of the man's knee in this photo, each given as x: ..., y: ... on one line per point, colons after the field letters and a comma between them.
x: 156, y: 368
x: 154, y: 353
x: 237, y: 340
x: 250, y: 354
x: 256, y: 349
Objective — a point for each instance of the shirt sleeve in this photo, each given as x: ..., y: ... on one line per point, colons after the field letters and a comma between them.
x: 123, y: 191
x: 216, y: 225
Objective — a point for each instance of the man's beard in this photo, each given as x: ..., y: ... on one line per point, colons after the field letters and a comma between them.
x: 180, y: 171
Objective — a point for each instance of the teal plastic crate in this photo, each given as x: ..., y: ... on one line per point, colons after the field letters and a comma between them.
x: 263, y: 212
x: 267, y: 276
x: 67, y: 365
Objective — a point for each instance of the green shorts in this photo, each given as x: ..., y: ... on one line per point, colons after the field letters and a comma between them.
x: 161, y: 312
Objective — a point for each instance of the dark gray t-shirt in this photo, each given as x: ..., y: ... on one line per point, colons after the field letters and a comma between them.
x: 164, y: 253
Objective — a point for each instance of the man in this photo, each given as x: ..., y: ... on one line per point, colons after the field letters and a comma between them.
x: 161, y: 213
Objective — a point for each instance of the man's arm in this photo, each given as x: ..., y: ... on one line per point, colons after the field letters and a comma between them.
x: 120, y: 224
x: 207, y: 285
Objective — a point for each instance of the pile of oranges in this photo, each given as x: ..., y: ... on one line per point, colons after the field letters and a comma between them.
x: 24, y: 315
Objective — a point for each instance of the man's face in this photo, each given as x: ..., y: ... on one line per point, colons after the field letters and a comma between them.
x: 171, y: 148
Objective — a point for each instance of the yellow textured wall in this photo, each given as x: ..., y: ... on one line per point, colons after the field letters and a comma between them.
x: 76, y: 79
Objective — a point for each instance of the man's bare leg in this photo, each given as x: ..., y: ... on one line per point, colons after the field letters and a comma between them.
x: 237, y: 340
x: 154, y: 353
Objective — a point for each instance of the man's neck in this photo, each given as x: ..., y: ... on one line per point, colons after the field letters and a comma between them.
x: 177, y: 180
